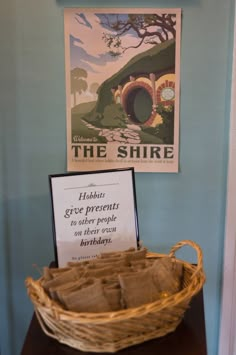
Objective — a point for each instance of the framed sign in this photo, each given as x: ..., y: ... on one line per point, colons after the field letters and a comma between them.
x: 93, y: 212
x: 122, y: 69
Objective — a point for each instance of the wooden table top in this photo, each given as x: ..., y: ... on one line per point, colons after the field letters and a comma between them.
x: 188, y: 339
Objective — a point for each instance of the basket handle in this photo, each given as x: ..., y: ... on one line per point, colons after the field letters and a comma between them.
x: 194, y: 246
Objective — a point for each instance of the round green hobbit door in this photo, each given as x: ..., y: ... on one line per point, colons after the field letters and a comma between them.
x: 138, y: 105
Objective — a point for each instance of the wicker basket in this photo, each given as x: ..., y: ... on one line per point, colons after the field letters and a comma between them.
x: 112, y: 331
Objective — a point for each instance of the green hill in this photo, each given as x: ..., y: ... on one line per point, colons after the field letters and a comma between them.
x: 157, y: 59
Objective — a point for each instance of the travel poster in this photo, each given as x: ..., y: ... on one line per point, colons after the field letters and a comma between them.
x: 122, y: 88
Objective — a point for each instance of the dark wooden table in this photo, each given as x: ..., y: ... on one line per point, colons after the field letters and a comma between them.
x: 188, y: 339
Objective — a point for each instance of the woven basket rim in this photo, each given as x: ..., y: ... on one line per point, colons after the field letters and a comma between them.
x: 42, y: 301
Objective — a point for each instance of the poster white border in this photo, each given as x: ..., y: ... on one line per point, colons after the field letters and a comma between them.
x: 162, y: 161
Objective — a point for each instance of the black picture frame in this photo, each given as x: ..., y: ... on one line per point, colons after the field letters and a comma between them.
x: 93, y: 212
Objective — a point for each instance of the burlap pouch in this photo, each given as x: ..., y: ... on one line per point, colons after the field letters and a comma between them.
x: 122, y: 270
x: 112, y: 293
x: 167, y: 275
x: 137, y: 265
x: 98, y: 272
x: 136, y: 255
x: 57, y: 292
x: 111, y: 260
x: 116, y: 253
x: 119, y: 262
x: 129, y: 255
x: 138, y: 288
x: 90, y: 298
x: 61, y: 279
x: 50, y: 273
x: 71, y: 264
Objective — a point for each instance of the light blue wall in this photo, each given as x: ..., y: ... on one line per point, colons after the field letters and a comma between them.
x: 171, y: 207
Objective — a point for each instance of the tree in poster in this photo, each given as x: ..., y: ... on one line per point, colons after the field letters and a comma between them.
x: 149, y: 28
x: 78, y: 84
x: 93, y: 89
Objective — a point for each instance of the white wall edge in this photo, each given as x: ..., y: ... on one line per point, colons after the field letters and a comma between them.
x: 227, y: 340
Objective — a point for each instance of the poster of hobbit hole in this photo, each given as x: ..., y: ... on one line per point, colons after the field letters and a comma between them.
x: 122, y: 88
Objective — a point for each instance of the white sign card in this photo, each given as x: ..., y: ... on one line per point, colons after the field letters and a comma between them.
x: 93, y: 212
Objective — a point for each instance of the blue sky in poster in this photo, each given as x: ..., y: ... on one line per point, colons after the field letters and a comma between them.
x: 95, y: 25
x: 81, y: 58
